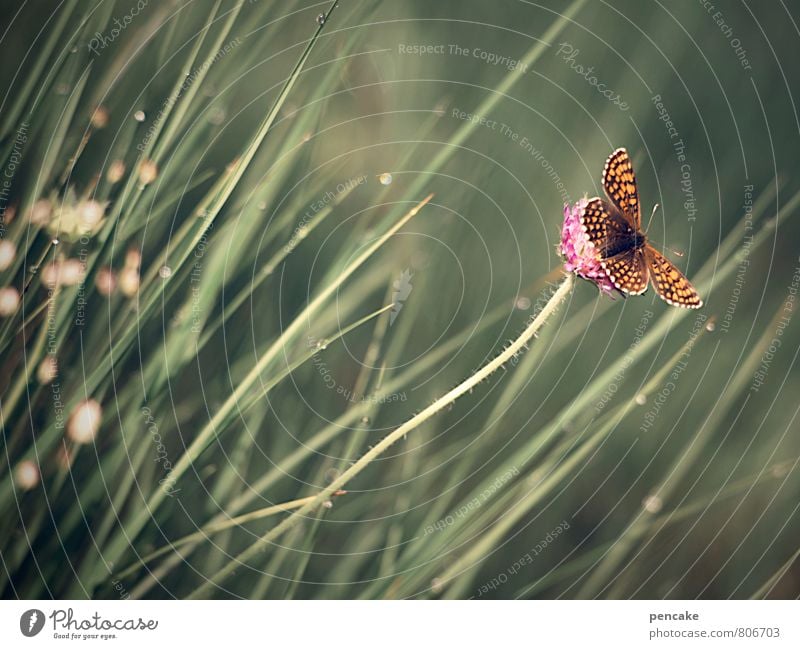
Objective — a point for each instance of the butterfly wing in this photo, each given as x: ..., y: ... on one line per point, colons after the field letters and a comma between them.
x: 669, y: 282
x: 607, y: 231
x: 627, y: 271
x: 619, y: 183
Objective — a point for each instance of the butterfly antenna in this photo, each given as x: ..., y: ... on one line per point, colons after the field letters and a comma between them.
x: 677, y: 253
x: 652, y: 214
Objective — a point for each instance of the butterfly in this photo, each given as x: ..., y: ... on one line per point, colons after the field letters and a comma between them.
x: 614, y: 230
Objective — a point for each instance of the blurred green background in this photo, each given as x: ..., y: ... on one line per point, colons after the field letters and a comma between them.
x: 637, y: 450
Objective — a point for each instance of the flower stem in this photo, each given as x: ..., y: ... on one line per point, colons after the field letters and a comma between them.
x: 441, y: 403
x: 219, y: 526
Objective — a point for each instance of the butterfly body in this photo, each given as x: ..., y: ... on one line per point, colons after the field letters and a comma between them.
x: 613, y: 228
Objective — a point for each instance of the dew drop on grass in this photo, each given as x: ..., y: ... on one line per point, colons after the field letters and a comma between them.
x: 139, y: 116
x: 710, y: 326
x: 34, y: 269
x: 641, y: 398
x: 385, y: 178
x: 365, y: 420
x: 321, y: 19
x: 328, y: 504
x: 55, y: 241
x: 164, y: 272
x: 523, y: 303
x: 322, y: 344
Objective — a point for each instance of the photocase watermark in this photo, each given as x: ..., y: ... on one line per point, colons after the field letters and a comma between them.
x: 491, y: 58
x: 627, y: 361
x: 472, y: 505
x: 188, y: 81
x: 727, y: 31
x: 51, y: 356
x: 316, y: 206
x: 320, y: 344
x: 569, y: 54
x: 168, y: 481
x: 194, y: 279
x: 671, y: 385
x: 31, y: 622
x: 680, y: 153
x: 525, y: 560
x: 775, y: 344
x: 454, y: 49
x: 744, y: 260
x: 521, y: 140
x: 66, y: 626
x: 402, y: 289
x: 80, y: 301
x: 102, y: 41
x: 14, y: 160
x: 120, y: 589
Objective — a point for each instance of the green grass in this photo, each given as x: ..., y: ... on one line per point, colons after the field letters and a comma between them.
x: 327, y: 385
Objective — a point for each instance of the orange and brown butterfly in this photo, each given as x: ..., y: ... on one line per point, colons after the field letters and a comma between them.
x: 614, y: 229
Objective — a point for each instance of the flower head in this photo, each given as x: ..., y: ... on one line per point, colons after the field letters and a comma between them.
x: 580, y: 256
x: 100, y: 117
x: 7, y: 253
x: 148, y: 172
x: 9, y: 301
x: 26, y: 475
x: 84, y: 422
x: 40, y: 212
x: 63, y: 272
x: 69, y: 216
x: 105, y: 281
x: 116, y: 171
x: 48, y: 370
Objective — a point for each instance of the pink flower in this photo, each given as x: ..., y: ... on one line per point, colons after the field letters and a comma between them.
x: 580, y: 256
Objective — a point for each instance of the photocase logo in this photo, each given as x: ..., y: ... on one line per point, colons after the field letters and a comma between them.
x: 31, y: 622
x: 402, y: 289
